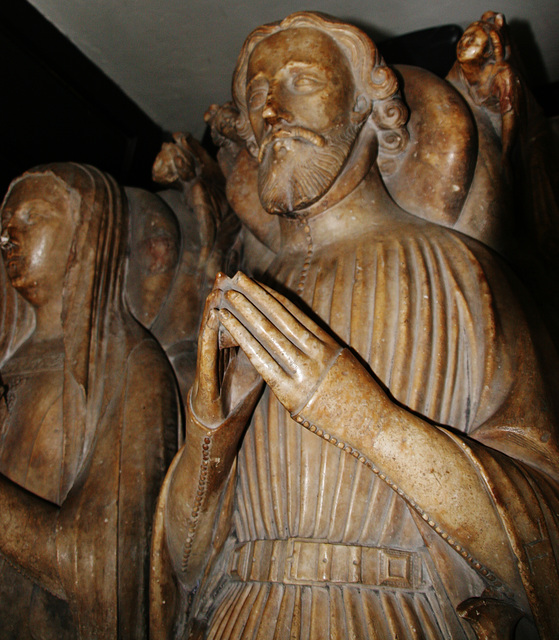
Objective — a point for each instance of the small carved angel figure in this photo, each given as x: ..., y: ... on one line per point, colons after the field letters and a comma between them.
x: 492, y: 82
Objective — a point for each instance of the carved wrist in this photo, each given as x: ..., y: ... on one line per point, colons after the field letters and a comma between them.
x: 359, y: 418
x: 222, y: 439
x: 197, y: 485
x: 347, y: 403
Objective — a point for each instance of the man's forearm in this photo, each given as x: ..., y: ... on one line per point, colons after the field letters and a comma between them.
x: 423, y: 463
x: 199, y: 478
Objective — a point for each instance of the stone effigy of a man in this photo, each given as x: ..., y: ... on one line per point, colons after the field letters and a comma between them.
x: 397, y: 475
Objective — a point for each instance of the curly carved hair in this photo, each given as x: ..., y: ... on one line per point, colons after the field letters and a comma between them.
x: 376, y: 84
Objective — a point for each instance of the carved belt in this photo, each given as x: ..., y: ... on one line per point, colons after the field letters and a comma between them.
x: 304, y: 562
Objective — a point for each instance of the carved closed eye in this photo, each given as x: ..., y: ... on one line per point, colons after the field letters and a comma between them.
x: 307, y: 83
x: 32, y: 216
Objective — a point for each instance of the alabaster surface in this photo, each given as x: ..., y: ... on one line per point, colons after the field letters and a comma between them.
x: 371, y: 437
x: 180, y: 238
x: 89, y: 414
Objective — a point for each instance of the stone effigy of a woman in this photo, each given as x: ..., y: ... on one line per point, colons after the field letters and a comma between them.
x: 88, y: 415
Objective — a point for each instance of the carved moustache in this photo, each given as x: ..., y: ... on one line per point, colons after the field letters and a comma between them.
x: 291, y: 132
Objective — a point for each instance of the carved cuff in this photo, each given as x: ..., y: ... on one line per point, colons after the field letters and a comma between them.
x: 193, y: 418
x: 210, y: 453
x: 347, y: 403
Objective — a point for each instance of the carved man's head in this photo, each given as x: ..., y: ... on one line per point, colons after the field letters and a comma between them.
x: 304, y: 88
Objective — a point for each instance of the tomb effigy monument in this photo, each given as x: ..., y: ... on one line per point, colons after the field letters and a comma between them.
x: 371, y: 438
x: 180, y: 238
x: 89, y: 414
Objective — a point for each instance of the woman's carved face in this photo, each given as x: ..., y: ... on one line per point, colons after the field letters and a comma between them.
x: 473, y: 45
x: 154, y: 255
x: 37, y: 232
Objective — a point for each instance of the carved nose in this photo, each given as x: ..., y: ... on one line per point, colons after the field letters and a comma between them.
x: 273, y: 111
x: 4, y: 239
x: 269, y: 111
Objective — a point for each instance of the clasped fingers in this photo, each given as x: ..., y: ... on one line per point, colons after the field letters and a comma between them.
x: 283, y: 347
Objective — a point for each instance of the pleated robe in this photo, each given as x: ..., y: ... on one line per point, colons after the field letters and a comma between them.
x: 434, y: 317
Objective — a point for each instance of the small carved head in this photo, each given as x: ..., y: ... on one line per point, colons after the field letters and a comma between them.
x: 154, y: 253
x: 483, y: 40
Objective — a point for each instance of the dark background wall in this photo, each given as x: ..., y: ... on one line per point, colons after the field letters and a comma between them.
x: 58, y: 106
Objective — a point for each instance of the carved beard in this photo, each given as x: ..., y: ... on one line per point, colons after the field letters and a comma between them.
x: 298, y: 166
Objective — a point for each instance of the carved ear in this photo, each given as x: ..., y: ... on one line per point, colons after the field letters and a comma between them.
x: 361, y: 109
x: 252, y: 147
x: 499, y: 20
